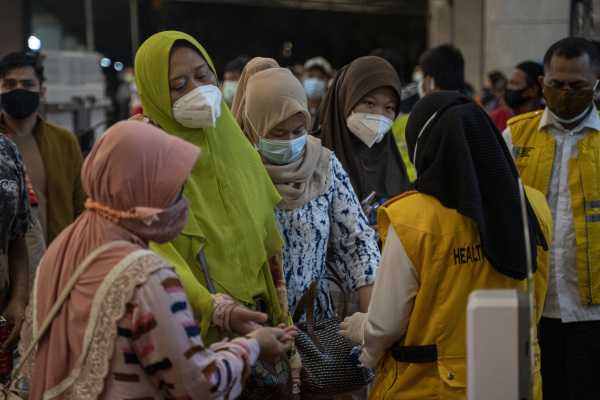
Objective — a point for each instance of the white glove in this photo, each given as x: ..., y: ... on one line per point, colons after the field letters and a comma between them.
x: 352, y: 327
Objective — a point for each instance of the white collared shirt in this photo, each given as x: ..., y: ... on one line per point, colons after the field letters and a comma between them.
x: 394, y: 293
x: 562, y: 298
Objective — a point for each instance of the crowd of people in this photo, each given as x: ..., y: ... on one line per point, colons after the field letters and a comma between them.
x: 178, y: 250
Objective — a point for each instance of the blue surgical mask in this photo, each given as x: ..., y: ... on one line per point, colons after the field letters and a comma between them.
x: 314, y: 87
x: 279, y: 151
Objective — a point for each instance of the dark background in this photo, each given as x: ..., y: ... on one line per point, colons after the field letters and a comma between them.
x: 228, y: 30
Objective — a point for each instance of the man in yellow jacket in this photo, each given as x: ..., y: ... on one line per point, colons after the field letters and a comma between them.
x: 557, y: 151
x: 461, y: 230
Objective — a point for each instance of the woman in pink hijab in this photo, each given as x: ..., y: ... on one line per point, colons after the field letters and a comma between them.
x: 127, y: 330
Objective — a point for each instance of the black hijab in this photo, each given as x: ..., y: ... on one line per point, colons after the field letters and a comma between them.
x: 462, y: 160
x: 379, y: 168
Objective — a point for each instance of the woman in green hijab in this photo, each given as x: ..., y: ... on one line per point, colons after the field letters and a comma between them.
x: 231, y: 197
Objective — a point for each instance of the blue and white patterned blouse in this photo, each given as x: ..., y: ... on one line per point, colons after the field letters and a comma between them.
x: 336, y: 215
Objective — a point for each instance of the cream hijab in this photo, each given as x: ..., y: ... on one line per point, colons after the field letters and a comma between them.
x: 238, y: 107
x: 272, y: 96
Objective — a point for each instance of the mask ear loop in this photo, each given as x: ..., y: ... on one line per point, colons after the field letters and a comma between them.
x: 417, y: 141
x: 252, y: 126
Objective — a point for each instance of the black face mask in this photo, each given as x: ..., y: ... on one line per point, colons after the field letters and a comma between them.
x: 514, y: 98
x: 20, y: 103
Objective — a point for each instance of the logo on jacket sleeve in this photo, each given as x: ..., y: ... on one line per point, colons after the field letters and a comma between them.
x: 521, y: 151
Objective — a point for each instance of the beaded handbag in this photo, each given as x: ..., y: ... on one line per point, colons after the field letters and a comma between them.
x: 324, y: 353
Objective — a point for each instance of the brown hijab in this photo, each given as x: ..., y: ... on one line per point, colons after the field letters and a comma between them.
x: 255, y: 65
x: 379, y: 168
x: 272, y: 96
x: 132, y: 175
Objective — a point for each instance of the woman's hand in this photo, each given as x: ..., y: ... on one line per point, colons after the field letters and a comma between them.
x: 273, y: 341
x: 144, y: 118
x: 243, y: 321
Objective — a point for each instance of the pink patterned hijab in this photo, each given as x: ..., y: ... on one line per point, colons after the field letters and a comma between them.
x: 132, y: 176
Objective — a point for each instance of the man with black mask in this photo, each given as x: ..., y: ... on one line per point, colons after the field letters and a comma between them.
x: 52, y: 154
x: 557, y: 151
x: 523, y: 93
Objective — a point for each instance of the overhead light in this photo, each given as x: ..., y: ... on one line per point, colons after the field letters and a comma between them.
x: 119, y: 66
x: 34, y: 43
x: 105, y: 62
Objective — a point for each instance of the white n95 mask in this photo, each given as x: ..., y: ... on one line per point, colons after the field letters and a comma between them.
x: 199, y: 108
x: 369, y: 128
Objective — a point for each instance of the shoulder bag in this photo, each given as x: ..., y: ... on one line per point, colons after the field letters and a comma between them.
x: 325, y: 354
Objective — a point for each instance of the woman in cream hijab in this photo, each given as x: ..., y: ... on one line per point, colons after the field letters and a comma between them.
x: 238, y: 106
x: 318, y: 204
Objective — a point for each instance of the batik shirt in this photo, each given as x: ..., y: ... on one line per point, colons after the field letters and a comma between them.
x: 334, y: 215
x: 15, y: 215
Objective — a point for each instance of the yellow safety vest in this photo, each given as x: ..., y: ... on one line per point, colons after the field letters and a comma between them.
x: 445, y: 249
x: 534, y: 151
x: 399, y: 130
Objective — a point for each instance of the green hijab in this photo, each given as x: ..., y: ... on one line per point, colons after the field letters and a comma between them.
x: 231, y: 196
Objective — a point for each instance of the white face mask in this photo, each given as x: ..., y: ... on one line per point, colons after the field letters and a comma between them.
x: 199, y: 108
x: 417, y: 76
x: 369, y: 128
x: 229, y: 89
x: 314, y: 87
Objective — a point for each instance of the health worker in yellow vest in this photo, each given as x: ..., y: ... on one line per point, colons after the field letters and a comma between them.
x: 461, y: 230
x: 557, y: 151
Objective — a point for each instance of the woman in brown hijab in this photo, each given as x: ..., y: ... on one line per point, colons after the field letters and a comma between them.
x: 355, y: 121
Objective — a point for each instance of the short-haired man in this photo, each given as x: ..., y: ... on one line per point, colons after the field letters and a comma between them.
x: 52, y: 154
x: 443, y: 69
x: 558, y: 152
x: 523, y: 93
x: 315, y: 77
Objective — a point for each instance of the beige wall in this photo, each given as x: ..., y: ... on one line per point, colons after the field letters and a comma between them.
x: 512, y: 31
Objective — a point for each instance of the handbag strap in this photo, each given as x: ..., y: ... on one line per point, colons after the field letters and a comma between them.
x: 308, y: 300
x: 62, y: 298
x: 209, y: 282
x: 329, y: 267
